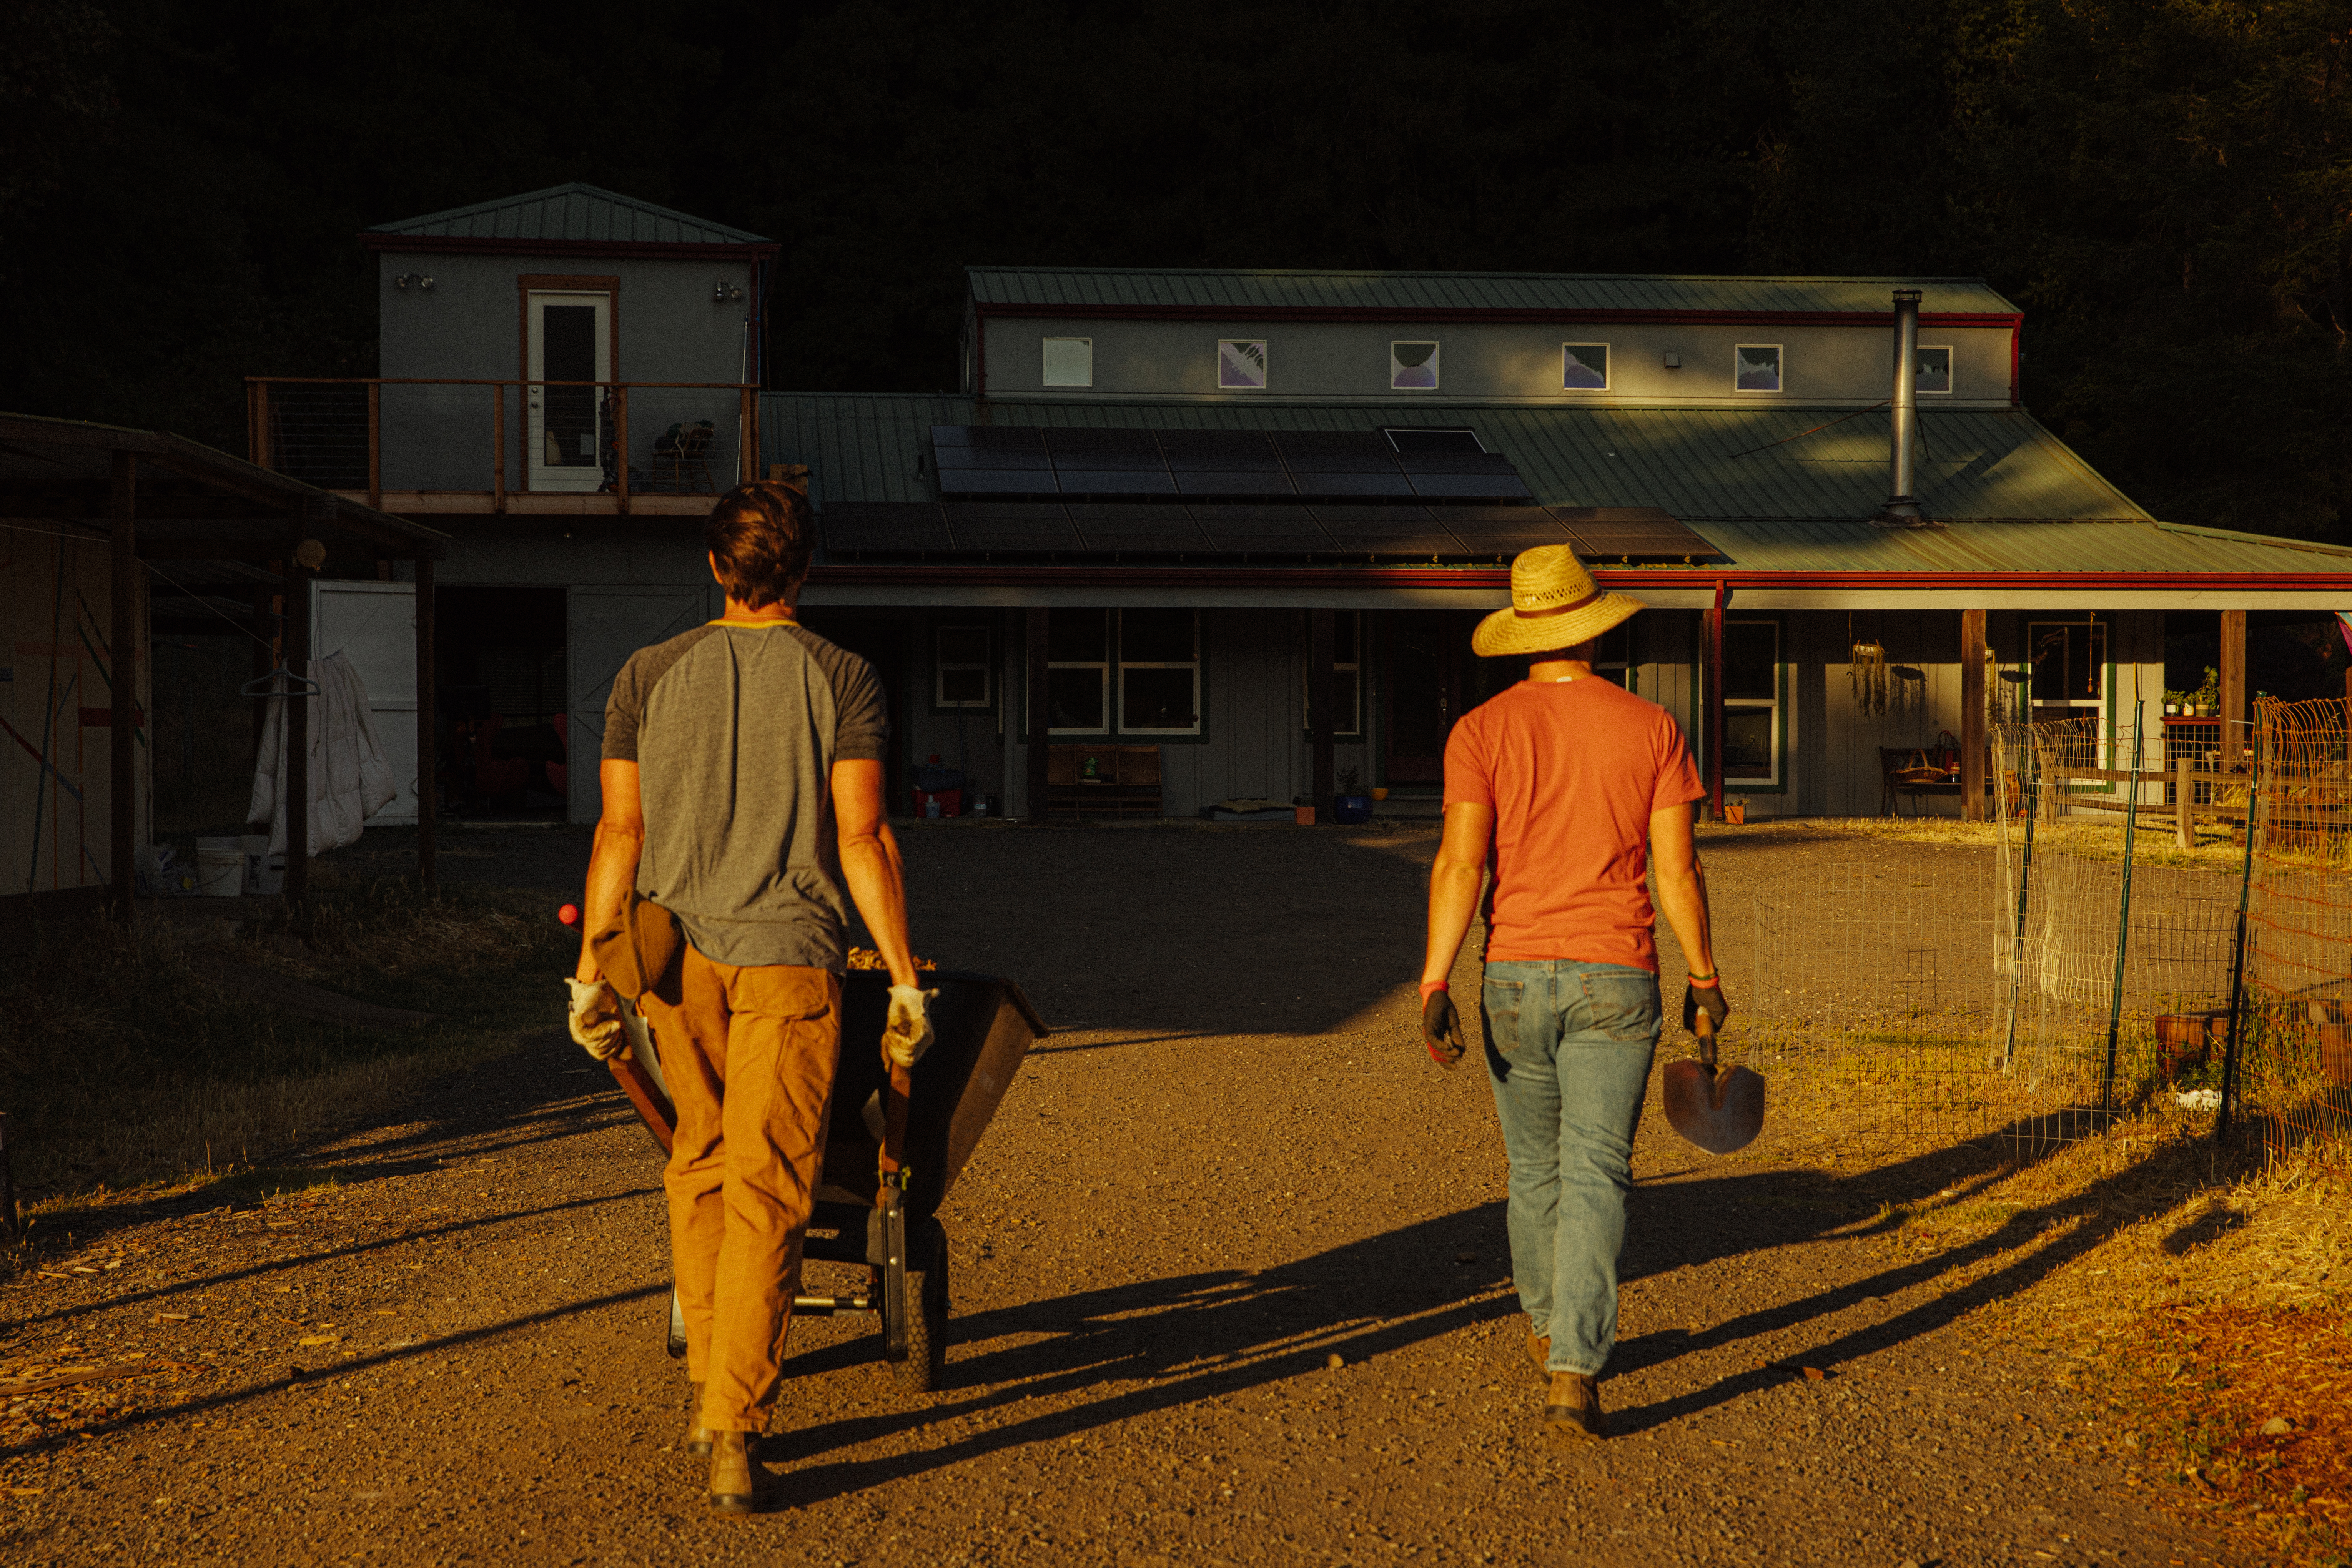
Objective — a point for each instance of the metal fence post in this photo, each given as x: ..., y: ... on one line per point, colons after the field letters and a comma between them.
x: 2123, y: 916
x: 2029, y: 786
x: 2238, y: 956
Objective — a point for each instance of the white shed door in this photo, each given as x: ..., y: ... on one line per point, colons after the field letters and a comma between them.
x: 375, y: 625
x: 607, y: 626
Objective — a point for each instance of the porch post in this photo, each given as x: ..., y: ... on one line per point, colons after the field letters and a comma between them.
x: 1040, y: 721
x: 1972, y: 715
x: 123, y: 801
x: 428, y: 803
x: 296, y: 777
x: 1714, y: 697
x: 1321, y: 636
x: 2234, y: 738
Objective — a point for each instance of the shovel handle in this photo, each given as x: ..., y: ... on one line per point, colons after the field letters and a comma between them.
x: 1704, y: 1029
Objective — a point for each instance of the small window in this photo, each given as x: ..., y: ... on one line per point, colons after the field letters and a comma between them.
x: 1240, y: 364
x: 1158, y: 673
x: 1584, y: 367
x: 1612, y: 661
x: 1755, y: 367
x: 1422, y: 440
x: 1413, y: 367
x: 1078, y: 672
x: 1751, y: 702
x: 1069, y: 362
x: 1934, y: 373
x: 961, y: 670
x: 1347, y: 676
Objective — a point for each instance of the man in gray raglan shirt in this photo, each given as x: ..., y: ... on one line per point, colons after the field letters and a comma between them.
x: 743, y: 782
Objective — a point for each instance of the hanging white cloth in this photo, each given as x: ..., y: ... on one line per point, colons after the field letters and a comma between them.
x: 350, y: 779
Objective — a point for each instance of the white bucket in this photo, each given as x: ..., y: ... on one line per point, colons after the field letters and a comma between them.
x: 220, y: 867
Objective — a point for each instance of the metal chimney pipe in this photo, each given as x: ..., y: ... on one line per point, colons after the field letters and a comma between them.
x: 1901, y: 506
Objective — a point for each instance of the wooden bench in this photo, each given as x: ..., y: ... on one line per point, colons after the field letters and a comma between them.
x: 1909, y: 770
x: 1126, y: 781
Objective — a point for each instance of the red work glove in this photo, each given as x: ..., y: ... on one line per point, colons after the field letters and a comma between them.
x: 1440, y: 1026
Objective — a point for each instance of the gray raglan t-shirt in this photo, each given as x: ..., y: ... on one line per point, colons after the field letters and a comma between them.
x: 735, y: 730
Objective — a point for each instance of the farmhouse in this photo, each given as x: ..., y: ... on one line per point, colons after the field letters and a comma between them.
x: 1184, y: 538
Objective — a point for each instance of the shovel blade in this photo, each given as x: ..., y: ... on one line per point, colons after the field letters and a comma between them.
x: 1719, y: 1112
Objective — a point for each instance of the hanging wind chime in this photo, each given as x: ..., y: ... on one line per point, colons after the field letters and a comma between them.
x: 1867, y: 671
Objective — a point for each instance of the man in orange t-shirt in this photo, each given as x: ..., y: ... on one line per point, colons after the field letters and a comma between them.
x: 1566, y: 788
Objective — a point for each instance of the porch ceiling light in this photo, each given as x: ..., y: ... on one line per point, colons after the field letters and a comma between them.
x: 725, y: 293
x: 417, y: 280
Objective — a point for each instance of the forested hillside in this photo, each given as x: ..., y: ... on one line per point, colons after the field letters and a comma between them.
x: 2162, y: 184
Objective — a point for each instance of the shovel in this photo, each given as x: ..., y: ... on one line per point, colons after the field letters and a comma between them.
x: 1718, y: 1110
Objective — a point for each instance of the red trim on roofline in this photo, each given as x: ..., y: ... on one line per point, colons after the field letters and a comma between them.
x: 847, y: 574
x: 650, y: 250
x: 1512, y: 316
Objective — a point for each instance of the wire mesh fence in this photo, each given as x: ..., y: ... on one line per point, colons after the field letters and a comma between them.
x: 2292, y: 1073
x: 2031, y: 996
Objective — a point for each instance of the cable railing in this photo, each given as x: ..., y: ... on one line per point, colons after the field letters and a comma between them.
x: 412, y: 437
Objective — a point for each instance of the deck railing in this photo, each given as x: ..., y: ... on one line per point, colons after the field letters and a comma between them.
x: 411, y: 435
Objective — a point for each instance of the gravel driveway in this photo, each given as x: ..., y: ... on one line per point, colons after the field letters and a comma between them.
x: 1230, y: 1164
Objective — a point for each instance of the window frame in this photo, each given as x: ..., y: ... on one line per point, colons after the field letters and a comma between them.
x: 1345, y: 661
x: 1951, y: 371
x: 1779, y: 371
x: 940, y: 666
x: 1777, y: 704
x: 1121, y: 664
x: 1102, y: 667
x: 1628, y: 668
x: 1395, y: 369
x: 1044, y: 378
x: 1608, y: 361
x: 1264, y: 364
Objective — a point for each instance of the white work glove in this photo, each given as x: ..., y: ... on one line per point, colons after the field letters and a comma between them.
x: 595, y: 1019
x: 908, y: 1035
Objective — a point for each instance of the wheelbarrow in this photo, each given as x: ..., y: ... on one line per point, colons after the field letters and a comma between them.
x: 892, y: 1152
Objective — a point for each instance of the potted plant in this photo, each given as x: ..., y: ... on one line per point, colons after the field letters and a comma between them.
x: 1350, y: 806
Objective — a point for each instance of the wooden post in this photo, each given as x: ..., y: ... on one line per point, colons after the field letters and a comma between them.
x: 261, y: 453
x: 1972, y: 715
x: 122, y: 800
x: 1040, y: 721
x: 295, y: 778
x: 2234, y: 736
x: 1715, y: 703
x: 752, y: 433
x: 744, y: 455
x: 1322, y: 634
x: 621, y: 446
x: 2184, y: 801
x: 428, y: 800
x: 265, y: 653
x: 376, y: 444
x: 497, y: 446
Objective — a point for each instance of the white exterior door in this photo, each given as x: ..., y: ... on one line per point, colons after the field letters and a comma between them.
x: 569, y: 338
x: 375, y: 625
x: 607, y: 626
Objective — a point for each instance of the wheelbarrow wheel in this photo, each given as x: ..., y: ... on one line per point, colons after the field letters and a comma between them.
x: 927, y: 1317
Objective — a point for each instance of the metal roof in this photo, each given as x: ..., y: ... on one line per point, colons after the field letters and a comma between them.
x: 1082, y: 289
x: 1774, y: 490
x: 586, y: 214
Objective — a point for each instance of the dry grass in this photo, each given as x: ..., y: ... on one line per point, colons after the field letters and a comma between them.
x: 131, y: 1057
x: 2095, y: 837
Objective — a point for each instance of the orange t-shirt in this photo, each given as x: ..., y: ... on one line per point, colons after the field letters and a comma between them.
x: 1573, y: 770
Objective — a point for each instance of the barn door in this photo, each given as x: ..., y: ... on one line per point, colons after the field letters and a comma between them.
x: 375, y: 625
x: 607, y: 626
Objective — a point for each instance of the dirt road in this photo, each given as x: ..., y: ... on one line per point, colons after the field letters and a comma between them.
x: 1230, y: 1164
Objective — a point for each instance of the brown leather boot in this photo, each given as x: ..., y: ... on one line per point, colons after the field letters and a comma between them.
x: 698, y: 1435
x: 1539, y: 1351
x: 734, y: 1478
x: 1572, y: 1407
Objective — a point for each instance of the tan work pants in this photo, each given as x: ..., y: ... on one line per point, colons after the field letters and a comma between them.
x: 749, y: 1054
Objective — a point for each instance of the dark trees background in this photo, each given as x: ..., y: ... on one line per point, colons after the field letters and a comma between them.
x: 2164, y: 185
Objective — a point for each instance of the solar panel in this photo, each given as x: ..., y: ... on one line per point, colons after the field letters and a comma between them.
x: 1116, y: 482
x: 996, y: 482
x: 1140, y: 529
x: 1414, y: 441
x: 1013, y: 528
x: 1106, y: 451
x: 1613, y: 534
x: 886, y: 527
x: 1219, y: 451
x: 1262, y: 530
x: 1501, y: 529
x: 1386, y: 531
x: 1335, y: 452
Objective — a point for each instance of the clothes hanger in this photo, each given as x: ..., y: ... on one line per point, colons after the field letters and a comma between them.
x: 266, y: 685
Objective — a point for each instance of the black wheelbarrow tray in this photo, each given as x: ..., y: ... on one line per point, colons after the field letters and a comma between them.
x: 982, y: 1027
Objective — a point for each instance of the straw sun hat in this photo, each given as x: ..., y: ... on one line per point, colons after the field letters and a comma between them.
x: 1555, y: 604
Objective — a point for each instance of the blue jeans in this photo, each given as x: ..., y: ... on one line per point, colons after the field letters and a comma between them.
x: 1568, y: 1047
